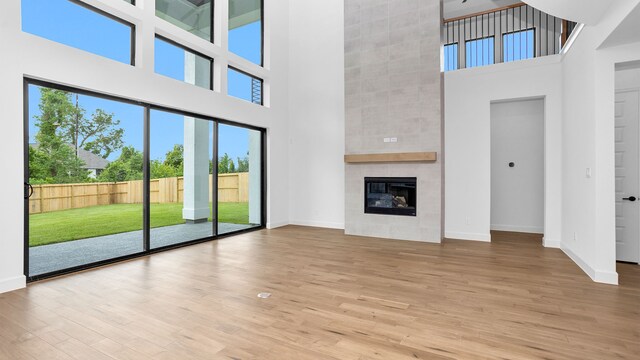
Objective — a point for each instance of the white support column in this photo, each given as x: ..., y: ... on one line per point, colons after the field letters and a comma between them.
x: 196, y: 170
x: 196, y: 151
x: 255, y: 177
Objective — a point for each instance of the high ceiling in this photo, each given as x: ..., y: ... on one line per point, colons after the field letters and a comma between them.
x: 627, y: 32
x: 588, y: 12
x: 455, y: 8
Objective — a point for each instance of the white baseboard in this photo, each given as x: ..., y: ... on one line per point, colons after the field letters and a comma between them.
x: 515, y: 228
x: 320, y: 224
x: 467, y: 236
x: 275, y: 225
x: 11, y: 284
x: 548, y: 243
x: 605, y: 277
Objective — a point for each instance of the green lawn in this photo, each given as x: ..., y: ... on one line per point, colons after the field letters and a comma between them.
x: 68, y: 225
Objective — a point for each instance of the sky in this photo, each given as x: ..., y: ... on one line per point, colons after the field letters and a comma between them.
x: 68, y: 23
x: 516, y: 46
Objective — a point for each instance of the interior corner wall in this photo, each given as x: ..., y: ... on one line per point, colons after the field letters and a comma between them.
x: 588, y: 134
x: 316, y: 113
x: 468, y: 94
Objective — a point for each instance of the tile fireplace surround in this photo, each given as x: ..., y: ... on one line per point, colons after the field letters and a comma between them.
x: 393, y: 89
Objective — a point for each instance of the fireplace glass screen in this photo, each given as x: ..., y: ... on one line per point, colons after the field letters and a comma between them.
x: 391, y: 196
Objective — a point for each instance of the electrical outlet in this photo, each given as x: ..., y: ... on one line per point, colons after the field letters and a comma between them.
x: 394, y: 140
x: 386, y: 140
x: 575, y: 236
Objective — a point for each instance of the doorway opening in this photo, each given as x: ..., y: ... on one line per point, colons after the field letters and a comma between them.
x: 627, y: 162
x: 517, y: 168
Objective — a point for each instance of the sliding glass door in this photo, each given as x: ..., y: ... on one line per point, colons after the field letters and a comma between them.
x: 85, y: 178
x: 181, y: 153
x: 239, y: 178
x: 109, y: 179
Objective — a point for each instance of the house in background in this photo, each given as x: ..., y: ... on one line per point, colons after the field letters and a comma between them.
x: 93, y: 163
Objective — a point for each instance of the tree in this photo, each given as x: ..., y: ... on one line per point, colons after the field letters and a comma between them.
x: 62, y: 130
x: 243, y: 164
x: 99, y: 134
x: 126, y: 168
x: 53, y: 160
x: 160, y: 170
x: 175, y: 159
x: 226, y: 165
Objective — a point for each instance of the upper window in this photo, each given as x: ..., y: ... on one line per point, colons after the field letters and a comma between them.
x: 80, y: 26
x: 451, y: 57
x: 177, y: 62
x: 245, y: 29
x: 244, y: 86
x: 518, y: 45
x: 480, y: 52
x: 194, y: 16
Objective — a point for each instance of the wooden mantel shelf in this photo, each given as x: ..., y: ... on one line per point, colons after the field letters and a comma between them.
x: 391, y: 157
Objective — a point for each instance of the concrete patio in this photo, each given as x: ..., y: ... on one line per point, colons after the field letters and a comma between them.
x: 48, y: 258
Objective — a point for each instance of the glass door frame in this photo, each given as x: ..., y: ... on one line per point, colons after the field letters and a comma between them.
x: 146, y: 205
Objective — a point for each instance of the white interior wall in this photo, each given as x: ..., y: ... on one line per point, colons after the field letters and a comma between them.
x: 588, y: 133
x: 316, y: 130
x: 517, y: 193
x: 46, y: 60
x: 468, y: 97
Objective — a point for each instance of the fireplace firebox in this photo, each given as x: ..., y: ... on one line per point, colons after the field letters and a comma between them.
x: 390, y: 196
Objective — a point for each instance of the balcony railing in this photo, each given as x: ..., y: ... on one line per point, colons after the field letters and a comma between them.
x: 511, y: 33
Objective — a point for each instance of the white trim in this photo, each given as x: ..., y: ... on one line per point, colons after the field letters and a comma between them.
x: 576, y: 259
x: 11, y: 284
x: 275, y: 225
x: 553, y: 244
x: 521, y: 229
x: 467, y: 236
x: 572, y: 38
x: 320, y: 224
x: 604, y: 277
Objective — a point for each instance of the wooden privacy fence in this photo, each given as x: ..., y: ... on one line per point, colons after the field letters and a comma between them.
x: 55, y: 197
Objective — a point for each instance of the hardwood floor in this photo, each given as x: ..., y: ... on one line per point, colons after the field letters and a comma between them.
x: 333, y: 297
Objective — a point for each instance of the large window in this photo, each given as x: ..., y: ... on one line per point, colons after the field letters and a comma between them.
x: 85, y: 166
x: 245, y: 29
x: 182, y: 64
x: 108, y: 178
x: 244, y: 86
x: 518, y: 45
x: 480, y: 52
x: 451, y: 57
x: 194, y: 16
x: 81, y: 26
